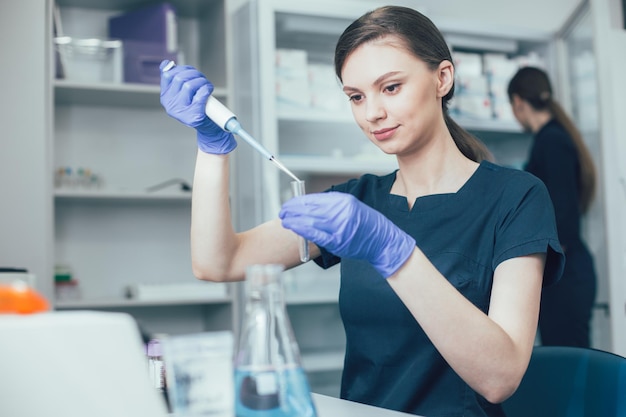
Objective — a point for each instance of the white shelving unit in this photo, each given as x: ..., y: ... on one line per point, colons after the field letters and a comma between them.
x: 119, y: 195
x: 325, y: 146
x: 130, y: 303
x: 121, y: 233
x: 111, y: 94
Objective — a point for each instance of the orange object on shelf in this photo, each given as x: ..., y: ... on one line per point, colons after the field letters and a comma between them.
x: 18, y: 297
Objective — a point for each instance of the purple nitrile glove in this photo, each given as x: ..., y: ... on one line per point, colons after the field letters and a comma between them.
x: 184, y: 93
x: 349, y: 228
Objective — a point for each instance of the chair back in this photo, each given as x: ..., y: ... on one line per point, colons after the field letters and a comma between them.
x: 570, y: 382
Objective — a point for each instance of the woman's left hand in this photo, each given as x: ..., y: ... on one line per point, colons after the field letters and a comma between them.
x: 348, y: 228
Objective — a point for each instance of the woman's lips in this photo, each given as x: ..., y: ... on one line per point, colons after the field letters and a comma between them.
x: 384, y: 134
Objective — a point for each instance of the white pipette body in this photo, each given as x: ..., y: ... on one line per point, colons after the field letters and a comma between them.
x: 227, y: 120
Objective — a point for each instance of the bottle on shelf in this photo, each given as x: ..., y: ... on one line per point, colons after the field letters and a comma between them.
x: 17, y: 294
x: 269, y: 378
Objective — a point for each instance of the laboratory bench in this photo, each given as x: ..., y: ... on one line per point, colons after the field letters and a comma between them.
x: 328, y: 406
x: 334, y: 407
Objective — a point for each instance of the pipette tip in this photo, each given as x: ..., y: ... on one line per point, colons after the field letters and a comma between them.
x: 284, y: 168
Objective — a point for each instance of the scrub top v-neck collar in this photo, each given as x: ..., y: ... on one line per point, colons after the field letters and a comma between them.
x: 430, y: 201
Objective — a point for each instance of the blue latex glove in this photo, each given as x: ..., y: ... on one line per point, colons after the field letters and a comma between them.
x: 184, y: 93
x: 348, y: 228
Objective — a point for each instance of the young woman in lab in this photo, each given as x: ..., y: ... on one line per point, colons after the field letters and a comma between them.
x: 442, y: 261
x: 559, y: 158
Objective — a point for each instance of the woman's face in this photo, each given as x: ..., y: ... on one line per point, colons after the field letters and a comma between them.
x: 395, y: 97
x: 520, y: 110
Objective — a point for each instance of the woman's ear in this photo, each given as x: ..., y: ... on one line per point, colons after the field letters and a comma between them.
x: 445, y: 78
x: 514, y: 100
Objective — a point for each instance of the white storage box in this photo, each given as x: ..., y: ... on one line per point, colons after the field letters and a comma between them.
x: 292, y: 81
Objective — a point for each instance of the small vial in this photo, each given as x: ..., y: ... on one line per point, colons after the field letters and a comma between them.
x: 68, y: 178
x: 80, y: 177
x: 58, y: 177
x: 156, y: 366
x: 297, y: 188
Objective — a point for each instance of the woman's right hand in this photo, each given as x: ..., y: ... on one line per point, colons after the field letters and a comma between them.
x: 184, y: 93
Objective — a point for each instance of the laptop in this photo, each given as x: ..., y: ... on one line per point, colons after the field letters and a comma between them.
x: 75, y: 364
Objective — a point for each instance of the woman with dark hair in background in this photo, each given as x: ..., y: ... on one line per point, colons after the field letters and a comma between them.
x: 561, y: 160
x: 442, y: 260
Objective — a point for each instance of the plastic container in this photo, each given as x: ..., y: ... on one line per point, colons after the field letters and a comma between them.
x: 199, y: 374
x: 17, y: 296
x: 90, y: 60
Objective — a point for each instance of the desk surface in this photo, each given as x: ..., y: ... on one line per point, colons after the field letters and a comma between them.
x: 334, y: 407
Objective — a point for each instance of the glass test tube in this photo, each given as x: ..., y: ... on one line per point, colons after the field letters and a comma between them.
x: 297, y: 188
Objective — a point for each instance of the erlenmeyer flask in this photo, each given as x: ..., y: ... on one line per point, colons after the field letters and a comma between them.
x: 269, y: 379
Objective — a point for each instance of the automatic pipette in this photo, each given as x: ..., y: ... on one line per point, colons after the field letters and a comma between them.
x: 227, y: 120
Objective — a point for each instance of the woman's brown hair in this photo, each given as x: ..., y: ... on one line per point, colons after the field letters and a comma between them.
x: 533, y: 86
x: 420, y: 37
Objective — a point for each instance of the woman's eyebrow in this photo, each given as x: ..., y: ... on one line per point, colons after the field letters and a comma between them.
x: 376, y: 82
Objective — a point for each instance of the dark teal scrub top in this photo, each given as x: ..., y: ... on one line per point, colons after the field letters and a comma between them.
x: 500, y: 213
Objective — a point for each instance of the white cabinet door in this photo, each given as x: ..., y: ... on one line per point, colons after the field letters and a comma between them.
x: 609, y: 43
x: 25, y: 162
x: 588, y: 91
x: 578, y: 82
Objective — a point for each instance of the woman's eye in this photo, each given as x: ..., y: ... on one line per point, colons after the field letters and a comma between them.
x: 355, y: 97
x: 393, y: 88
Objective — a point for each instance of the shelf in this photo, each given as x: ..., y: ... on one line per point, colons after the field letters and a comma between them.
x: 120, y: 195
x: 315, y: 115
x: 339, y: 165
x: 301, y: 298
x: 111, y: 94
x: 183, y: 7
x: 309, y: 114
x: 130, y: 303
x: 504, y: 126
x: 322, y: 361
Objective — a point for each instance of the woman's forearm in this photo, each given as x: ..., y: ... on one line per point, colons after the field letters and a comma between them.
x: 496, y: 347
x: 213, y: 239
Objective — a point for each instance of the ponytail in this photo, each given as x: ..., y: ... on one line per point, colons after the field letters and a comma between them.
x: 587, y: 173
x: 468, y: 144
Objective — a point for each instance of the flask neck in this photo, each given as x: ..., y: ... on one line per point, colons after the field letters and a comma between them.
x: 266, y: 335
x: 269, y: 294
x: 264, y: 285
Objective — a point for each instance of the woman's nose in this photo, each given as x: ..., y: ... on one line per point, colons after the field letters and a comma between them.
x: 374, y: 109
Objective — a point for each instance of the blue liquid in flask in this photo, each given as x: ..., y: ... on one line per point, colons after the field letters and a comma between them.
x: 273, y: 393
